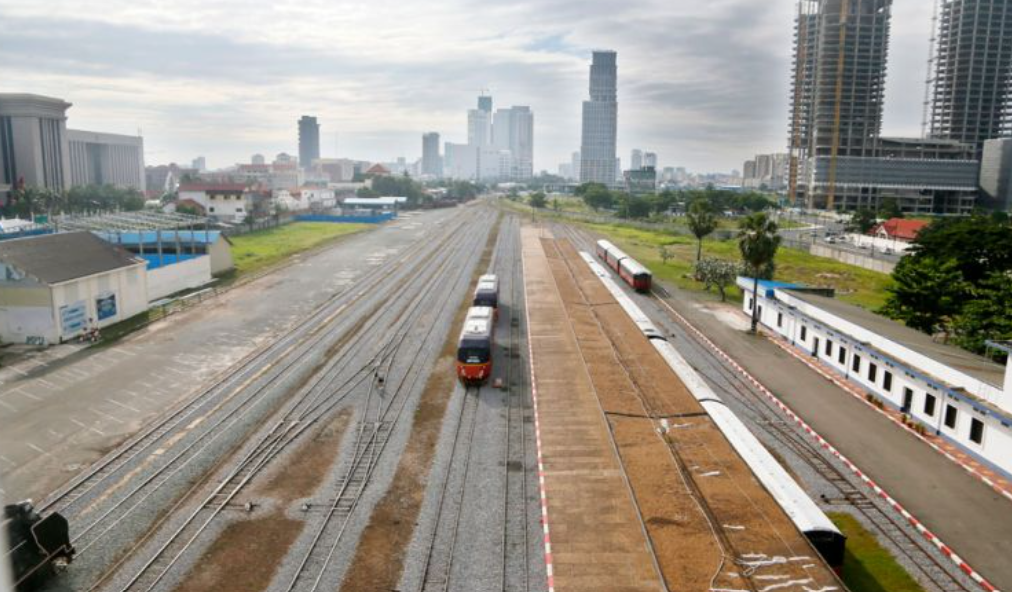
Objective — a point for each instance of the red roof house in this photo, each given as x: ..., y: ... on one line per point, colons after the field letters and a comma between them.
x: 900, y: 229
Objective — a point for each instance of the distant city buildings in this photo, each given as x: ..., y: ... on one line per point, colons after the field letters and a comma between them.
x: 642, y: 181
x: 649, y: 160
x: 766, y: 171
x: 513, y: 131
x: 199, y: 163
x: 996, y: 174
x: 33, y: 142
x: 309, y: 141
x: 258, y: 159
x: 636, y: 162
x: 598, y: 161
x: 432, y: 162
x: 500, y: 146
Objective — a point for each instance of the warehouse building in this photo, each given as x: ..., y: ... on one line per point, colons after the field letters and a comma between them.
x: 960, y: 396
x: 53, y: 287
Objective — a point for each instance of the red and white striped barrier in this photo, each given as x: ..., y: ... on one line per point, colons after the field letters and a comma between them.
x: 549, y: 568
x: 963, y: 565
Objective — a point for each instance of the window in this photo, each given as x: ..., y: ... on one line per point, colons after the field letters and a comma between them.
x: 804, y: 333
x: 887, y: 381
x: 976, y: 431
x: 872, y: 372
x: 856, y: 363
x: 950, y: 416
x: 829, y: 347
x: 929, y: 404
x: 210, y: 209
x: 842, y: 357
x: 780, y: 319
x: 750, y: 303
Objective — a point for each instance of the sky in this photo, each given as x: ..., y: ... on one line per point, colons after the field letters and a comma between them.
x: 703, y: 83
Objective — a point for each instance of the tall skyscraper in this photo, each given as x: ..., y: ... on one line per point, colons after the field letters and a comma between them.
x: 513, y: 130
x: 839, y: 84
x: 636, y: 162
x: 309, y: 141
x: 432, y: 162
x: 972, y: 76
x: 649, y: 160
x: 485, y: 103
x: 479, y: 127
x: 576, y: 160
x: 34, y: 148
x: 600, y: 122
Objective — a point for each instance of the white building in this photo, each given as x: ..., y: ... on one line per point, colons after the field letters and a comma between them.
x: 460, y: 161
x: 53, y: 287
x: 227, y: 202
x: 107, y: 159
x: 479, y: 127
x: 513, y: 130
x: 960, y: 396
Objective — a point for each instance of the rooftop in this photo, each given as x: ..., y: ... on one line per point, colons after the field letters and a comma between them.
x: 56, y: 258
x: 212, y: 187
x: 901, y: 228
x: 958, y: 359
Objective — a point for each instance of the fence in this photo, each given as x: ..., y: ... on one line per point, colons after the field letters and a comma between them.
x: 373, y: 219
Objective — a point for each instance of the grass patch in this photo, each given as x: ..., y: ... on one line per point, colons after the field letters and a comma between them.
x: 867, y: 567
x: 256, y: 250
x: 852, y: 284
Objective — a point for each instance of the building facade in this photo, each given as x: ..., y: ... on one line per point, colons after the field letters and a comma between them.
x: 33, y: 142
x: 106, y: 159
x: 309, y: 141
x: 996, y: 173
x: 432, y: 162
x: 513, y: 130
x: 598, y: 161
x: 960, y: 396
x: 636, y: 160
x: 972, y: 75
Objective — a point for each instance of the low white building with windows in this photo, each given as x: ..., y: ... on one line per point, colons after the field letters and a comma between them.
x: 53, y: 287
x: 227, y: 202
x: 955, y: 394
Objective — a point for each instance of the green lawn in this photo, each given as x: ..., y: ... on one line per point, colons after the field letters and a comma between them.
x: 256, y: 250
x: 853, y: 284
x: 867, y: 567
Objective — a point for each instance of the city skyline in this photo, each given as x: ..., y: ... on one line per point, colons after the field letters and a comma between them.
x: 725, y: 101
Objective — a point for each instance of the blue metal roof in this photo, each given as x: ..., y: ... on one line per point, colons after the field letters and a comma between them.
x: 766, y: 286
x: 150, y: 237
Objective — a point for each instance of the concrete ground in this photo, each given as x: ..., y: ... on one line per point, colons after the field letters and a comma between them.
x: 964, y: 512
x: 65, y: 416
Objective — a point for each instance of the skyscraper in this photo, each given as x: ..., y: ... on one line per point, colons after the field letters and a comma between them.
x: 513, y: 130
x: 485, y: 103
x: 479, y: 127
x: 839, y: 84
x: 432, y: 163
x: 972, y: 72
x: 575, y: 161
x: 636, y: 162
x: 600, y: 121
x: 649, y: 160
x: 309, y: 141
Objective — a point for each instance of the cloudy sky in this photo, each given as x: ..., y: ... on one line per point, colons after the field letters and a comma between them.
x: 704, y: 83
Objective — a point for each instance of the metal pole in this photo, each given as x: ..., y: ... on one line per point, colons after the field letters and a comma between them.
x: 161, y: 257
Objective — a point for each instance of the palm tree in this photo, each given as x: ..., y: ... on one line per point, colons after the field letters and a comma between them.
x: 701, y: 223
x: 758, y: 242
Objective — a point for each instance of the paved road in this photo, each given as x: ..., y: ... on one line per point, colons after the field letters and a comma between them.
x: 54, y: 424
x: 966, y: 514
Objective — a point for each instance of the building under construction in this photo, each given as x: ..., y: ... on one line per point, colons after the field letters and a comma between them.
x: 972, y: 72
x: 837, y: 155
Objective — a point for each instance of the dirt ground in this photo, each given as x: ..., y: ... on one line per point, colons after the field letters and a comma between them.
x: 711, y: 523
x: 379, y: 558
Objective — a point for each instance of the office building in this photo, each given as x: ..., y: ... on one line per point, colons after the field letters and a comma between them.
x: 309, y: 141
x: 199, y: 163
x: 598, y: 162
x: 33, y: 142
x: 996, y: 174
x: 636, y: 162
x: 513, y: 130
x: 479, y: 127
x: 642, y: 181
x: 258, y: 159
x: 649, y: 160
x: 485, y: 103
x: 970, y: 84
x: 575, y: 161
x: 432, y: 162
x: 460, y: 161
x: 107, y: 159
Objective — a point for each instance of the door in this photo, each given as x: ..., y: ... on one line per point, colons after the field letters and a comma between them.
x: 908, y: 400
x: 815, y: 347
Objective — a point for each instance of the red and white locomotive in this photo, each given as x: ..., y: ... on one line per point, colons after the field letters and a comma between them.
x: 630, y: 270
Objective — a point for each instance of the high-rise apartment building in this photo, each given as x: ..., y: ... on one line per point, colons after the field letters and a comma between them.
x: 513, y: 130
x: 972, y: 78
x: 649, y: 160
x: 432, y: 162
x: 636, y: 162
x: 33, y: 142
x: 309, y: 141
x: 598, y: 162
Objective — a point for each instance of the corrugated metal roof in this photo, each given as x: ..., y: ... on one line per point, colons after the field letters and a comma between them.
x: 55, y: 258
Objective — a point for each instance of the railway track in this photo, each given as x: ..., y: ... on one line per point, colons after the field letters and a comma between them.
x: 933, y: 571
x: 307, y: 410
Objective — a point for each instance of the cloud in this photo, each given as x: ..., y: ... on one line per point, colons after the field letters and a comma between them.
x: 704, y: 84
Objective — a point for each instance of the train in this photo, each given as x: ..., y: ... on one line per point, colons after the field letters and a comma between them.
x: 474, y: 350
x: 39, y: 545
x: 627, y: 268
x: 486, y: 293
x: 806, y: 515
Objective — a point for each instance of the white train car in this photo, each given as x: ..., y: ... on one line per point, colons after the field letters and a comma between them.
x: 799, y: 507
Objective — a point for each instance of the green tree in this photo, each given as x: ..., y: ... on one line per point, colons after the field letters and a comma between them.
x: 987, y: 314
x: 889, y: 208
x: 926, y: 293
x: 366, y: 192
x: 718, y: 273
x: 633, y: 206
x: 596, y: 196
x: 758, y: 241
x: 862, y: 221
x: 665, y: 253
x: 701, y: 222
x: 537, y: 200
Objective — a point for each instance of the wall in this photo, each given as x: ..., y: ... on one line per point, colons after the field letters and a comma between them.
x: 170, y: 279
x: 375, y: 219
x: 851, y: 357
x: 26, y: 315
x: 129, y: 285
x: 851, y: 258
x: 221, y: 256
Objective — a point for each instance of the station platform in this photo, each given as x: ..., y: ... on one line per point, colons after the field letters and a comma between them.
x: 641, y: 490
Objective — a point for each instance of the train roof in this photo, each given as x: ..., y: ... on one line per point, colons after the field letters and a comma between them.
x: 634, y: 266
x: 487, y: 283
x: 478, y: 322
